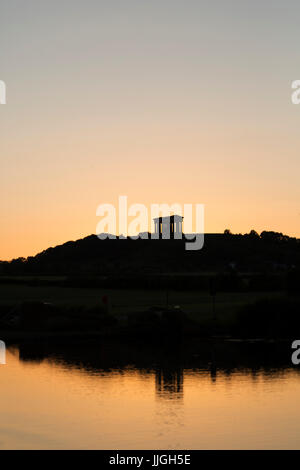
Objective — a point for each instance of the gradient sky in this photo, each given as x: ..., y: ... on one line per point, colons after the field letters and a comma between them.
x: 164, y: 101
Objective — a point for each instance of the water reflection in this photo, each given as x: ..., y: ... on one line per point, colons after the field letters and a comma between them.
x: 168, y: 363
x: 169, y: 383
x: 214, y: 394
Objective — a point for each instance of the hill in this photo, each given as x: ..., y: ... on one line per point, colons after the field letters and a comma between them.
x: 270, y: 252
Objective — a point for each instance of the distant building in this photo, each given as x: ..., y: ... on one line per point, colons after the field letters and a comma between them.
x: 168, y: 227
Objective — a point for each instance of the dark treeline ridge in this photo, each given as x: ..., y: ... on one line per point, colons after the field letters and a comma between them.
x: 265, y: 261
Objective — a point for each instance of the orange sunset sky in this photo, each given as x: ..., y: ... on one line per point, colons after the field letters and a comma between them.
x: 162, y: 101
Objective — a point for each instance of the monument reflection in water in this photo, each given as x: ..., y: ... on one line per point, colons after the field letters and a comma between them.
x: 110, y: 395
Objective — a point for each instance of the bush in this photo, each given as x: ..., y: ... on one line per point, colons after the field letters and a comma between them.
x: 269, y: 318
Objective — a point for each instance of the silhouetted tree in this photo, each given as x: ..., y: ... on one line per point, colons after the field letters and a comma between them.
x: 253, y: 234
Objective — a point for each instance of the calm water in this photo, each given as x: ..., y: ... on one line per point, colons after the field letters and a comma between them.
x: 114, y: 397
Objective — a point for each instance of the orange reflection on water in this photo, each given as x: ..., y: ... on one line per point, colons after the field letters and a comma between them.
x: 54, y: 405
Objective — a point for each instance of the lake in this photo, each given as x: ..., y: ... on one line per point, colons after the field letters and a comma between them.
x: 112, y: 396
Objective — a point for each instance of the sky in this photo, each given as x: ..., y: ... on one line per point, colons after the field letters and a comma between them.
x: 164, y: 101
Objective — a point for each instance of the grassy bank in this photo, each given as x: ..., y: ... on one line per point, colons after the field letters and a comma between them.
x: 197, y: 304
x: 88, y: 311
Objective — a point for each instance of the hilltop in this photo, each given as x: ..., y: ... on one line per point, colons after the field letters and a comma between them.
x: 250, y: 253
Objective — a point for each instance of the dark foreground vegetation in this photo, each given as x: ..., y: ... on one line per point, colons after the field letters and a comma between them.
x: 242, y: 286
x: 277, y: 318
